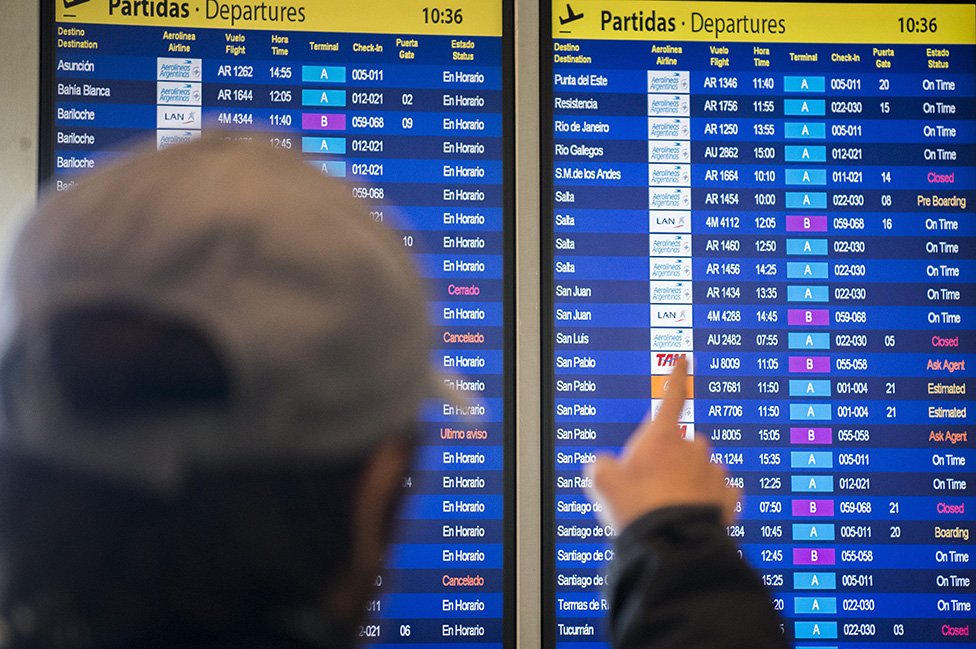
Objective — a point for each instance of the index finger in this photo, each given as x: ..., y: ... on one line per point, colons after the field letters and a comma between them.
x: 666, y: 421
x: 674, y: 394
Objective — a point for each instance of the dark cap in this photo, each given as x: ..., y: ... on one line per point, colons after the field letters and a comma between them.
x: 314, y: 309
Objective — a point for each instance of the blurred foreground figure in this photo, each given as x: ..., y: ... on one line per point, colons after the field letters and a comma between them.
x: 212, y: 365
x: 677, y: 580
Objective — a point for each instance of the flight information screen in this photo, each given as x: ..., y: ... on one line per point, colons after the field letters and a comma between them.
x: 785, y: 194
x: 410, y: 103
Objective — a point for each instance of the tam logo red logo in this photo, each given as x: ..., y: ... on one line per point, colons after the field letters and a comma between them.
x: 668, y: 360
x: 683, y: 431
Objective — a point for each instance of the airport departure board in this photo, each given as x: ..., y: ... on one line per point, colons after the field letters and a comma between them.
x: 784, y: 194
x: 409, y: 102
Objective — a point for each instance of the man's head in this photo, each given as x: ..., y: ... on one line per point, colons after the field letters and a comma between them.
x: 223, y: 339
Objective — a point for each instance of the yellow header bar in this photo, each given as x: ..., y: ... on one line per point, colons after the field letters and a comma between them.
x: 765, y: 22
x: 420, y: 17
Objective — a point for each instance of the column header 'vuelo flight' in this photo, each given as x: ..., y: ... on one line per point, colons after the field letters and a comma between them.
x: 771, y: 22
x: 457, y: 18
